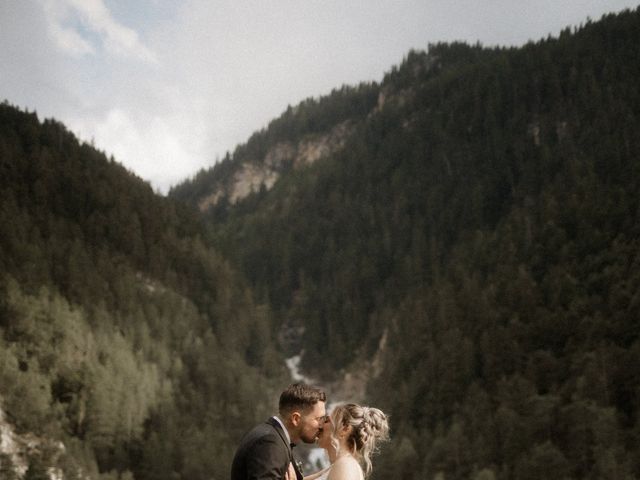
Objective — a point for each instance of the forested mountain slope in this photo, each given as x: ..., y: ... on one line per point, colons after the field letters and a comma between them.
x: 121, y: 333
x: 479, y: 227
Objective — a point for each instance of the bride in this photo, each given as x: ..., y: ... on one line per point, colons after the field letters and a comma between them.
x: 350, y: 436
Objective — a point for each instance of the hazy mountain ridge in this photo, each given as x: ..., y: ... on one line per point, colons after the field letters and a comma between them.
x: 303, y: 134
x: 313, y: 130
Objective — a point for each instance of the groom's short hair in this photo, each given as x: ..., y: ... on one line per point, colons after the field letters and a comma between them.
x: 300, y: 396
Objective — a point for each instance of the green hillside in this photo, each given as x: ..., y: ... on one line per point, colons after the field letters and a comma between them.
x: 479, y: 231
x: 122, y: 334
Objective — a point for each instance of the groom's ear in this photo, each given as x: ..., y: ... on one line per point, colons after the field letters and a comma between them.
x: 295, y: 418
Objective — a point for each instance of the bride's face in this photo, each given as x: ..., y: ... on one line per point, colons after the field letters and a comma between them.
x: 324, y: 439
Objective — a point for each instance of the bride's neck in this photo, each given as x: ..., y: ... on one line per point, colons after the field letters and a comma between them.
x: 332, y: 455
x: 342, y: 452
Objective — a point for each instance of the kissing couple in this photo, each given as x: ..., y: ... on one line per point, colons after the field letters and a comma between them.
x: 349, y: 435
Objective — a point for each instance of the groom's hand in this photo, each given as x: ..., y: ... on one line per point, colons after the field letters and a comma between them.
x: 291, y: 473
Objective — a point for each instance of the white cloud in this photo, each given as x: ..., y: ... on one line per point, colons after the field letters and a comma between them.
x: 67, y: 19
x: 162, y: 148
x: 69, y: 40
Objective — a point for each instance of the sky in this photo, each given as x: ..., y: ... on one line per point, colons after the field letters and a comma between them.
x: 168, y: 87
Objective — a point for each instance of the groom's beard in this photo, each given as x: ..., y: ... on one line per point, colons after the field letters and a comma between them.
x: 310, y: 439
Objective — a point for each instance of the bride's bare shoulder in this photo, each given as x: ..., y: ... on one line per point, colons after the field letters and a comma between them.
x: 345, y: 468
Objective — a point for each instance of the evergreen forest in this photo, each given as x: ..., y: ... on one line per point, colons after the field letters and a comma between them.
x: 473, y: 247
x: 123, y: 335
x: 470, y: 247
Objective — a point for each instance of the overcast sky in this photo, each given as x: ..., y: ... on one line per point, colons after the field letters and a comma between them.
x: 169, y: 86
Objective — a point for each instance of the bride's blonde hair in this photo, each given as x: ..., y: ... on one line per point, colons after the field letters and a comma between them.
x: 369, y: 427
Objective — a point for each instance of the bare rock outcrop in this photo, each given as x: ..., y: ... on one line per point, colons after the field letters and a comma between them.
x: 253, y: 175
x: 17, y: 449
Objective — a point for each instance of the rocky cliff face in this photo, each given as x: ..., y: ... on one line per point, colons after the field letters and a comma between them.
x: 258, y: 173
x: 17, y: 450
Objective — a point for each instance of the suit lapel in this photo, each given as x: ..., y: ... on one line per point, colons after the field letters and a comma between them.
x: 278, y: 428
x: 274, y: 423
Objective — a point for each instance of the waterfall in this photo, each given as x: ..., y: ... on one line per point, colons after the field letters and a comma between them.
x: 315, y: 458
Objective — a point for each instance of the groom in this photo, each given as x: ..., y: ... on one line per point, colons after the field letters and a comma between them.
x: 265, y: 452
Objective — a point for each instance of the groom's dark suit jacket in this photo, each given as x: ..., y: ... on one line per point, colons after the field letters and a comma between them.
x: 263, y: 454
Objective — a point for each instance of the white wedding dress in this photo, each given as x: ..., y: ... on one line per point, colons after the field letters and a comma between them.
x: 325, y: 475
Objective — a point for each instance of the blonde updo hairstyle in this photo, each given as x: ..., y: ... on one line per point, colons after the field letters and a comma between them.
x: 369, y: 426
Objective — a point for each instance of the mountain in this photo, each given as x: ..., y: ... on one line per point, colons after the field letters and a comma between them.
x: 472, y: 223
x: 125, y: 341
